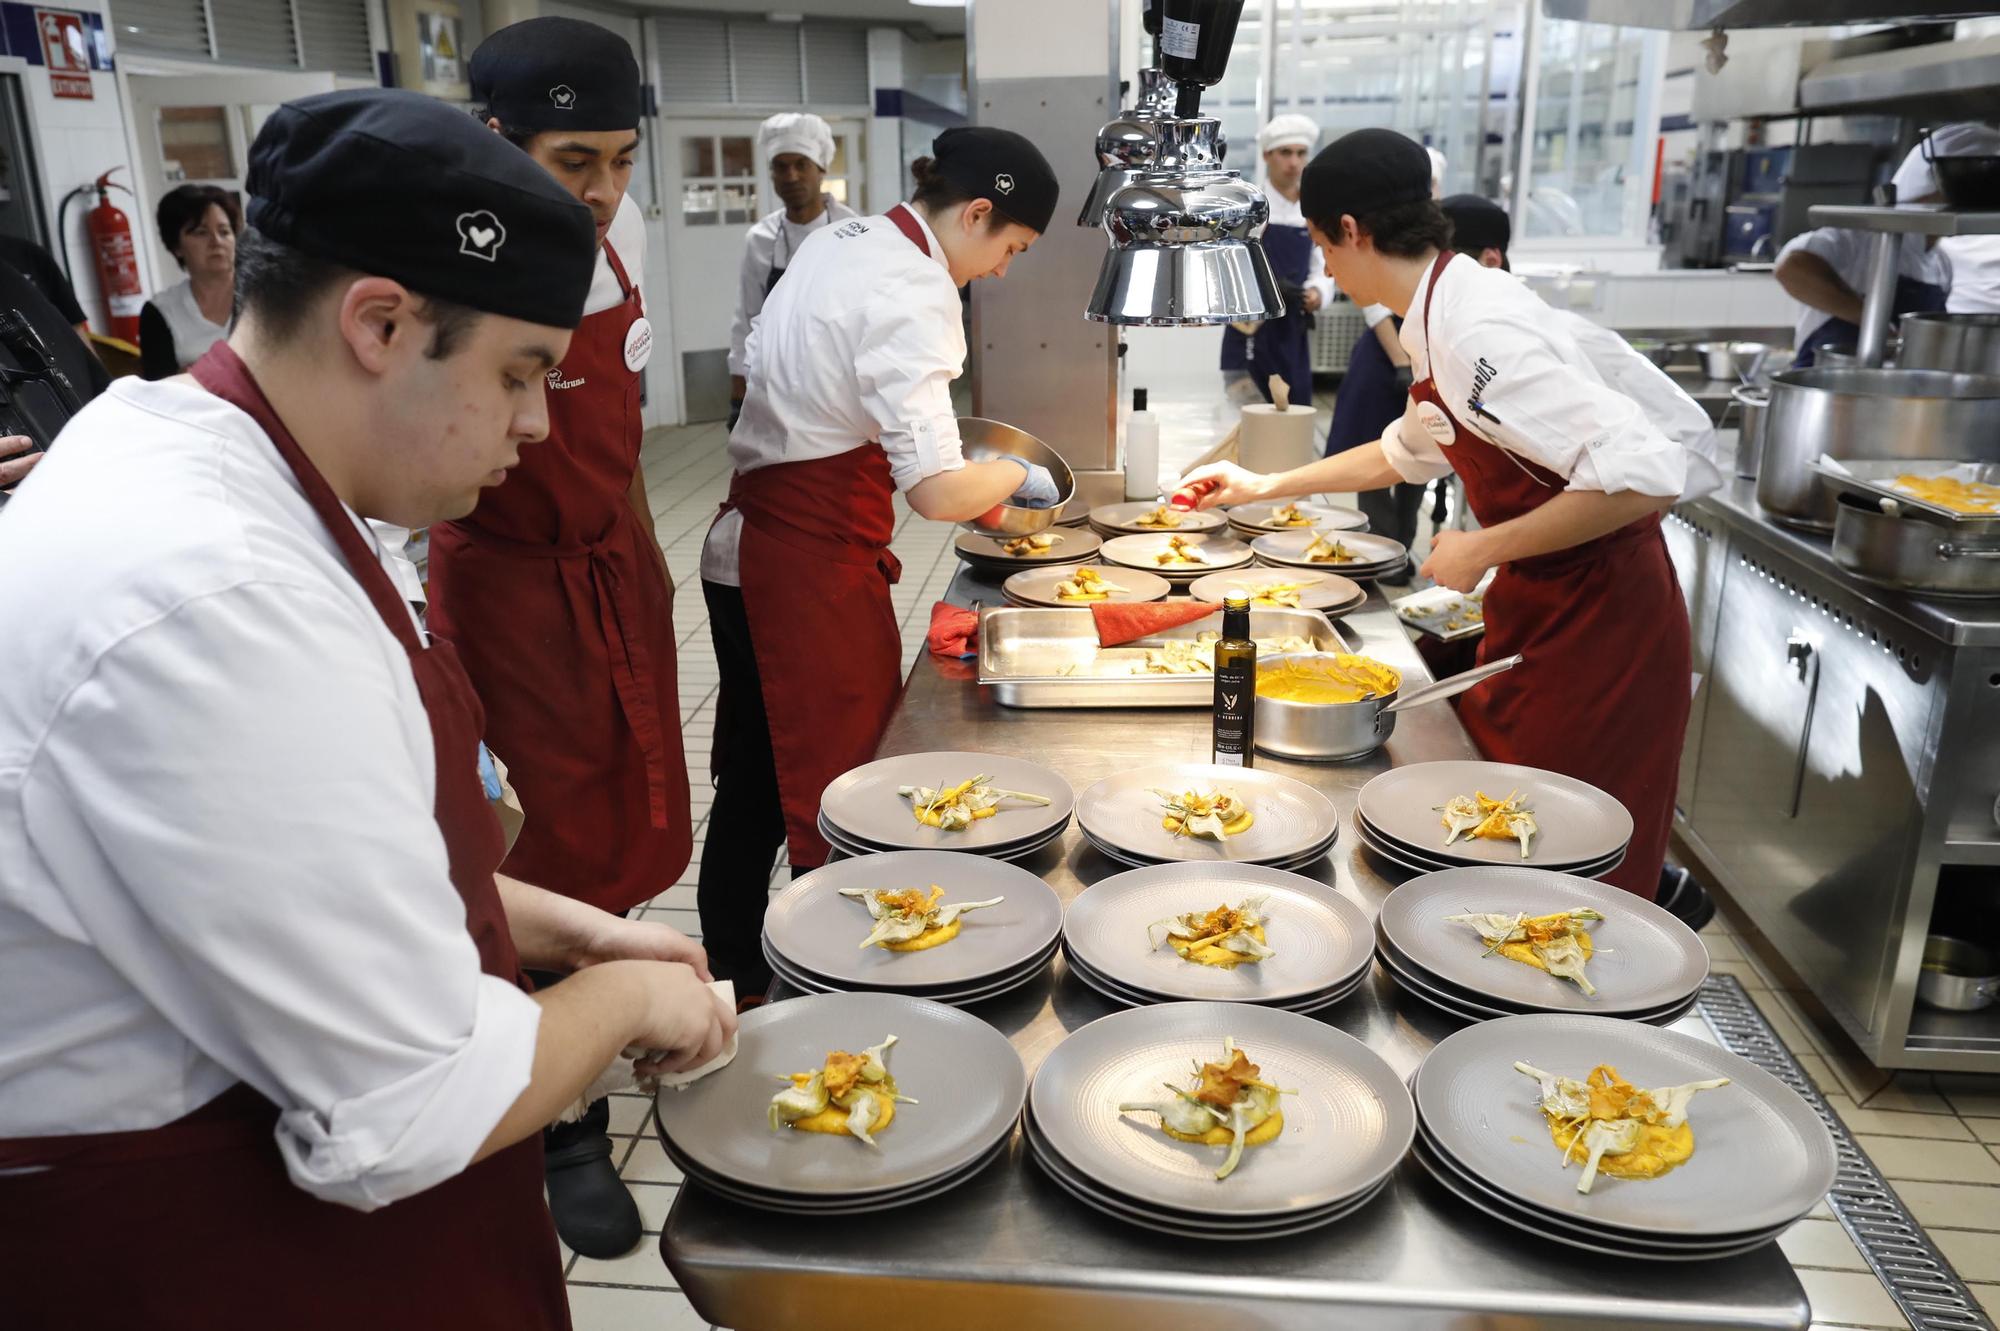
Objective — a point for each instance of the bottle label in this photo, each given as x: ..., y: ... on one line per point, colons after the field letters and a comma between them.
x: 1235, y: 691
x: 1179, y: 38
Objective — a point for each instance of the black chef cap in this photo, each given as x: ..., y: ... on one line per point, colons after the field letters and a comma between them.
x: 1477, y: 224
x: 999, y: 165
x: 1362, y: 173
x: 401, y: 185
x: 556, y: 73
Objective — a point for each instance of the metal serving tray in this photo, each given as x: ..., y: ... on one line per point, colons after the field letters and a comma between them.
x: 1876, y: 478
x: 1034, y: 657
x: 1432, y: 611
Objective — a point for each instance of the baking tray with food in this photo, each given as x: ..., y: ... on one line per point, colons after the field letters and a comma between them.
x: 1033, y: 657
x: 1946, y: 488
x: 1443, y: 613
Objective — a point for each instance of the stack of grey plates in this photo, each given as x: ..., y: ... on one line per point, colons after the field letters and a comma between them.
x: 1124, y: 816
x: 1347, y: 1122
x: 1319, y: 939
x: 1125, y: 519
x: 965, y: 1080
x: 1645, y: 965
x: 985, y: 555
x: 861, y: 813
x: 814, y: 936
x: 1373, y: 555
x: 1400, y: 817
x: 1762, y: 1157
x: 1328, y: 592
x: 1217, y: 552
x: 1037, y: 586
x: 1259, y: 519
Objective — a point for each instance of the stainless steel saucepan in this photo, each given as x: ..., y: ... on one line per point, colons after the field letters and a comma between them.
x: 1910, y: 551
x: 1332, y: 731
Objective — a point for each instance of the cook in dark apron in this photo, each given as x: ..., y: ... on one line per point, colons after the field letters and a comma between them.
x: 1281, y: 345
x: 1912, y: 296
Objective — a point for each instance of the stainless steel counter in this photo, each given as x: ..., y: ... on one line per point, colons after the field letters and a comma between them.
x: 1011, y: 1250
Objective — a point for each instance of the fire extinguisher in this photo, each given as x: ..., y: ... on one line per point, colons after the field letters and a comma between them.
x: 117, y: 264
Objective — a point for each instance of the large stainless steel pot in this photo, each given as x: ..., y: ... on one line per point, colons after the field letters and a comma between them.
x: 1913, y: 552
x: 1334, y: 731
x: 1962, y: 343
x: 1753, y: 407
x: 1867, y: 414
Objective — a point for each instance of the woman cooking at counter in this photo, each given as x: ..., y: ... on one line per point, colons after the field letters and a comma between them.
x: 1567, y: 477
x: 848, y: 402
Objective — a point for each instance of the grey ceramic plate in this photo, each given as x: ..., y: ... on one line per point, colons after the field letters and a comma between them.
x: 1075, y: 513
x: 1070, y: 547
x: 864, y: 806
x: 1256, y: 518
x: 1320, y: 938
x: 1423, y: 862
x: 1221, y: 552
x: 1294, y: 864
x: 1579, y: 823
x: 1127, y: 997
x: 966, y: 1075
x: 1762, y: 1157
x: 1118, y: 518
x: 1644, y: 958
x: 1026, y: 974
x: 1374, y: 553
x: 1038, y: 586
x: 1326, y: 591
x: 819, y: 931
x: 860, y: 1205
x: 847, y: 845
x: 1290, y: 818
x: 1349, y: 1123
x: 1473, y: 1007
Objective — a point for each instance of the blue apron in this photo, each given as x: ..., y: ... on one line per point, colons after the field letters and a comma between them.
x: 1280, y: 346
x: 1912, y: 297
x: 1370, y: 396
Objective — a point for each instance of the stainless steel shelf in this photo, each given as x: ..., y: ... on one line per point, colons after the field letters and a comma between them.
x: 1924, y: 219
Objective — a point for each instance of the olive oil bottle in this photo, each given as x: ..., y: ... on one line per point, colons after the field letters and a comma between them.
x: 1235, y: 687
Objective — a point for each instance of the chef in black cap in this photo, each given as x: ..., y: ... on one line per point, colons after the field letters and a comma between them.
x: 262, y: 999
x: 1567, y: 475
x: 555, y: 592
x: 849, y: 371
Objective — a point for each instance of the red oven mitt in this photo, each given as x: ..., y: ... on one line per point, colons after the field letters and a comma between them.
x: 1124, y: 623
x: 954, y: 631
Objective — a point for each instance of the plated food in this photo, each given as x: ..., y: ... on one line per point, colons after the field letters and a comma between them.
x: 1087, y: 585
x: 1215, y: 814
x: 955, y: 808
x: 1180, y: 553
x: 1229, y: 1105
x: 1326, y: 549
x: 850, y: 1094
x: 1227, y: 936
x: 1336, y: 678
x: 1485, y: 818
x: 1036, y: 543
x: 1557, y: 942
x: 1289, y: 515
x: 1163, y: 518
x: 1951, y: 492
x: 911, y: 920
x: 1619, y: 1129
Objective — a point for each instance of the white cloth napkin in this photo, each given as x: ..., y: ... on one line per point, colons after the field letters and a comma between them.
x: 622, y: 1076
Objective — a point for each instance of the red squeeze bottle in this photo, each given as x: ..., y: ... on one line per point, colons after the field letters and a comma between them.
x: 1190, y: 496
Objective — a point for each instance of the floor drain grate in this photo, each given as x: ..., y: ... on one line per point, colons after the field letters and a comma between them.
x: 1910, y: 1267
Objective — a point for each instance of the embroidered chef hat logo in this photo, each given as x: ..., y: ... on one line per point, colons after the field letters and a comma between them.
x: 1004, y: 183
x: 481, y: 235
x: 562, y: 97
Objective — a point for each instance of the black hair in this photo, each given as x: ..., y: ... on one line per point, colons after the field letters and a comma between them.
x: 520, y: 138
x: 1401, y: 231
x: 186, y: 206
x: 278, y: 286
x: 934, y: 193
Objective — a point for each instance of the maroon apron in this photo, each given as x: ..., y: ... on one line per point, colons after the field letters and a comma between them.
x: 208, y: 1229
x: 1603, y: 691
x: 815, y: 569
x: 551, y: 591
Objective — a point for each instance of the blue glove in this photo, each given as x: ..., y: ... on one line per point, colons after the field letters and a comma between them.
x: 489, y: 775
x: 1038, y: 490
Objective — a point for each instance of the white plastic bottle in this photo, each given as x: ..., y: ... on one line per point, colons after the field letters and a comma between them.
x: 1142, y: 450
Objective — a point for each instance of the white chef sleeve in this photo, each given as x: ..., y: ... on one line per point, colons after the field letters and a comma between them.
x: 1374, y: 314
x: 909, y: 350
x: 1676, y: 415
x: 279, y: 890
x: 1410, y: 449
x: 751, y: 275
x: 1540, y: 407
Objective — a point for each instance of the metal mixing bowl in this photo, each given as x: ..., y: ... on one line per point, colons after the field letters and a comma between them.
x: 981, y: 440
x: 1732, y: 361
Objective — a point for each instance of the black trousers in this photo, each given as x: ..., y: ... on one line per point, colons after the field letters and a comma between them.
x: 746, y: 825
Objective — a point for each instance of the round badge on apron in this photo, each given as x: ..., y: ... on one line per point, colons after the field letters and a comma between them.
x: 1436, y: 424
x: 638, y: 344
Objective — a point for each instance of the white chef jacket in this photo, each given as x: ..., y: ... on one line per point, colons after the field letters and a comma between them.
x: 770, y: 244
x: 1975, y: 274
x: 1494, y: 342
x: 859, y: 343
x: 1286, y: 212
x: 218, y: 860
x: 1851, y: 254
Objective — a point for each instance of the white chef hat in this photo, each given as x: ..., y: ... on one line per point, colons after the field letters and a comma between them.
x: 1288, y: 131
x: 799, y: 132
x: 1437, y: 171
x: 1914, y: 180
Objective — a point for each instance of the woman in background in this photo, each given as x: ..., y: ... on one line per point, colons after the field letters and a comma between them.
x: 199, y: 224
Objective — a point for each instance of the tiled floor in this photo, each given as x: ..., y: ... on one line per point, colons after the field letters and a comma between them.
x: 1937, y: 1138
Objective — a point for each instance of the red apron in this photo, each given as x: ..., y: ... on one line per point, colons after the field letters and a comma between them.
x: 216, y: 1234
x: 1603, y: 693
x: 815, y: 570
x: 551, y: 592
